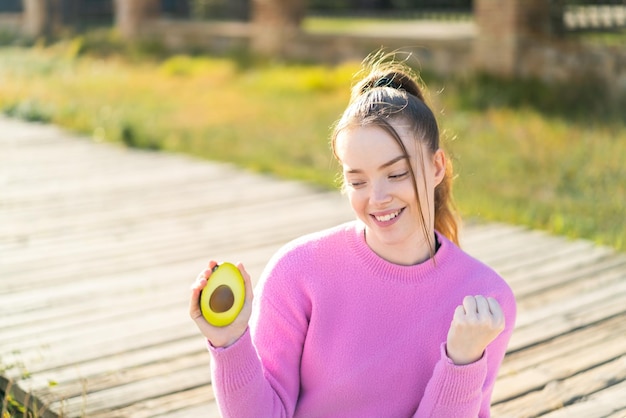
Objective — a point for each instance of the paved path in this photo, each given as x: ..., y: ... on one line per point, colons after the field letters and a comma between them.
x: 98, y: 246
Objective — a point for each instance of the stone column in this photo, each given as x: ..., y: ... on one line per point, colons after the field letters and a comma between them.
x: 131, y: 14
x: 276, y: 23
x: 505, y: 28
x: 40, y: 17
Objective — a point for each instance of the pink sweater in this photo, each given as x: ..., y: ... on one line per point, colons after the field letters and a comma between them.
x: 337, y: 331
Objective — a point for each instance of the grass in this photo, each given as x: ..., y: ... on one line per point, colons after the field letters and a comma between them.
x: 549, y: 157
x: 616, y: 38
x: 342, y: 25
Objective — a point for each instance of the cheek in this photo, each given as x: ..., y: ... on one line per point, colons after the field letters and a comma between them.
x: 356, y: 198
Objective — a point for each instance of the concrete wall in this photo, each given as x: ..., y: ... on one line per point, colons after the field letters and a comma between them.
x: 520, y: 38
x: 11, y: 22
x: 445, y: 56
x: 547, y: 59
x: 572, y: 61
x: 184, y: 36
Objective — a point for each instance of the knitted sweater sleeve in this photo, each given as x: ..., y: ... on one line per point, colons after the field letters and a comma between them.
x: 259, y: 375
x: 465, y: 391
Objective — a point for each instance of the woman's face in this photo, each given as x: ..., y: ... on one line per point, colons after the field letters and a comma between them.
x: 378, y: 183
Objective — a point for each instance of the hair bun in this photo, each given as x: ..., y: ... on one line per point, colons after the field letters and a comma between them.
x: 387, y: 82
x: 392, y: 75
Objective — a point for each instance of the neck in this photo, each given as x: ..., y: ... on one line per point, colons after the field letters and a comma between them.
x: 404, y: 254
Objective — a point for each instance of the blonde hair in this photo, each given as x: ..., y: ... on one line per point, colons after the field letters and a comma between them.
x: 390, y: 90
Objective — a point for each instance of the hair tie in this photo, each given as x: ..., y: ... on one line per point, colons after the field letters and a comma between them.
x: 387, y: 82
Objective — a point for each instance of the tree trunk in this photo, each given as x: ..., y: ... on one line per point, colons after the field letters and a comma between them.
x: 275, y: 22
x: 41, y: 17
x: 130, y: 15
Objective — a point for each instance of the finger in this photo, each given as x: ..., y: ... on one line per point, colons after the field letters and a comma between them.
x: 494, y: 306
x: 206, y: 273
x: 247, y: 282
x: 469, y: 304
x: 194, y: 298
x: 459, y: 314
x: 496, y: 311
x: 482, y: 306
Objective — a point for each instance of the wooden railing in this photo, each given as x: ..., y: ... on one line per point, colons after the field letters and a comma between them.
x: 595, y: 17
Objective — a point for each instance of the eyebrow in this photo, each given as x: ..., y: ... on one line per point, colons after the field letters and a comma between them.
x: 385, y: 165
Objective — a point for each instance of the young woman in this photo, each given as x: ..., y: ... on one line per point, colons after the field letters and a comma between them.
x: 384, y: 316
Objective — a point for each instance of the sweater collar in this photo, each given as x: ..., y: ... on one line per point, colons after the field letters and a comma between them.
x: 390, y: 271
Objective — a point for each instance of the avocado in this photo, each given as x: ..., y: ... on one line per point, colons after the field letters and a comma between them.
x: 223, y: 297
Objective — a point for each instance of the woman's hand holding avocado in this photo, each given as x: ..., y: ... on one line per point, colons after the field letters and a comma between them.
x: 221, y: 314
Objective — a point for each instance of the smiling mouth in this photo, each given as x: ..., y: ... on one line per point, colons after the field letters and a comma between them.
x: 389, y: 216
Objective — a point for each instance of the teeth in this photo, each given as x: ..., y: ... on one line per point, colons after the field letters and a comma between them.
x: 388, y: 217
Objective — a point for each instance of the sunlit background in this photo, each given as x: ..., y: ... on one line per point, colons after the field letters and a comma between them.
x: 531, y: 104
x: 530, y: 97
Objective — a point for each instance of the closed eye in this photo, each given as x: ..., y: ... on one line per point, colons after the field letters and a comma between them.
x: 355, y: 184
x: 399, y: 176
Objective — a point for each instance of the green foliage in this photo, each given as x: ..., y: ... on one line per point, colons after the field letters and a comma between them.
x: 8, y: 37
x: 30, y: 110
x: 186, y: 66
x: 12, y: 408
x: 616, y: 38
x: 106, y: 42
x: 588, y: 100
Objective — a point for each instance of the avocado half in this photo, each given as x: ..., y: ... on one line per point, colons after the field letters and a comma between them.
x: 223, y: 297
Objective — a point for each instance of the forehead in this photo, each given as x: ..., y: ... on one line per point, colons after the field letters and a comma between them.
x: 372, y: 144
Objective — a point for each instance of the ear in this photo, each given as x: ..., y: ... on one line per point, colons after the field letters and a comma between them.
x: 439, y: 163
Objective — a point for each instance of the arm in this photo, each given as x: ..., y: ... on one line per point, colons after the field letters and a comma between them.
x: 253, y: 377
x: 464, y: 377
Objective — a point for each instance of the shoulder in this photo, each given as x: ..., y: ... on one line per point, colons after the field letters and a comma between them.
x: 476, y: 277
x: 288, y: 281
x: 303, y: 257
x: 320, y: 245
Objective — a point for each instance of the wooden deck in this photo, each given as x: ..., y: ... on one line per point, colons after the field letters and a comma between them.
x: 99, y: 244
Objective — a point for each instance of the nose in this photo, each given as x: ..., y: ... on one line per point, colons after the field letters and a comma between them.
x: 379, y: 194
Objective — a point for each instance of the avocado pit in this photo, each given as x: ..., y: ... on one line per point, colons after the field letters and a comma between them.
x: 222, y: 299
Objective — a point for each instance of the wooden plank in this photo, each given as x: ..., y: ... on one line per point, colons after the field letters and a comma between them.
x: 139, y: 209
x: 81, y: 374
x: 573, y: 286
x: 196, y: 402
x: 584, y: 357
x: 136, y: 376
x: 515, y: 248
x: 233, y: 222
x: 565, y: 345
x: 551, y: 328
x: 111, y: 293
x: 558, y: 395
x: 142, y: 253
x: 124, y: 395
x: 591, y: 264
x: 621, y: 413
x: 517, y: 263
x: 208, y: 410
x: 549, y: 321
x: 482, y: 235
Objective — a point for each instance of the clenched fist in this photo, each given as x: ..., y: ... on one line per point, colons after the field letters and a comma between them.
x: 476, y: 323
